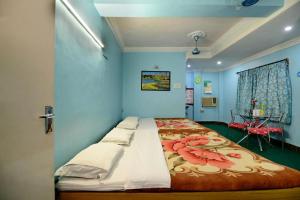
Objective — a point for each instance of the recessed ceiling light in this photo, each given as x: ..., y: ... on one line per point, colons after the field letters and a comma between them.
x: 288, y: 28
x: 219, y: 62
x: 189, y: 66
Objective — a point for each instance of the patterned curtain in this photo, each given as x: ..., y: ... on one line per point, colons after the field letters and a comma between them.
x: 245, y: 91
x: 271, y: 86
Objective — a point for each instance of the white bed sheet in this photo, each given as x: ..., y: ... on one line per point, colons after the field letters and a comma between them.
x: 142, y: 166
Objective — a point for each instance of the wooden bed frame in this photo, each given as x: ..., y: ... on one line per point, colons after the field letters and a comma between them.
x: 276, y: 194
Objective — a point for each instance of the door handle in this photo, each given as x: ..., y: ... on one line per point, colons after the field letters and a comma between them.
x: 48, y: 116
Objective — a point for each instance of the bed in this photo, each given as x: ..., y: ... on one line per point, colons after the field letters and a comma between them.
x: 186, y: 161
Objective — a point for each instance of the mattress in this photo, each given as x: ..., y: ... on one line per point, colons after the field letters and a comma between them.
x: 142, y: 166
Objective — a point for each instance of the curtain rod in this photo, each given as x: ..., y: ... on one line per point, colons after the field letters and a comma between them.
x: 286, y: 59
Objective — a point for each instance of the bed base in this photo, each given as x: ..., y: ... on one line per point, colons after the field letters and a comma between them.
x: 276, y: 194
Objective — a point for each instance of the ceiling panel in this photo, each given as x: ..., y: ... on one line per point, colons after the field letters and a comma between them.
x: 265, y: 37
x: 170, y: 32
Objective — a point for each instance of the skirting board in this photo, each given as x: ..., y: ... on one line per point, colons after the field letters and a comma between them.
x: 212, y: 122
x: 277, y: 194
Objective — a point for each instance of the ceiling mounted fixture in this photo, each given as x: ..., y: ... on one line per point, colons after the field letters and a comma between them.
x: 288, y: 28
x: 72, y: 11
x: 196, y: 51
x: 247, y: 3
x: 196, y: 35
x: 219, y: 62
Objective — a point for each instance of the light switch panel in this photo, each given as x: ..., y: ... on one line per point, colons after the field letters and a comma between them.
x: 177, y: 85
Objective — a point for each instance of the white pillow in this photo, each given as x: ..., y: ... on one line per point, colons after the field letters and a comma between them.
x: 95, y: 162
x: 123, y: 131
x: 132, y: 118
x: 129, y: 123
x: 118, y: 136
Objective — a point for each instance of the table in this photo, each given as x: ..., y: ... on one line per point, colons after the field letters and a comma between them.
x: 258, y: 121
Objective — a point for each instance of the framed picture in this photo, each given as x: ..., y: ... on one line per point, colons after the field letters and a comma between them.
x: 155, y: 80
x: 207, y: 87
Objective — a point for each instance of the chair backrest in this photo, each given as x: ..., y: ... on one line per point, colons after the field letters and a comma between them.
x: 262, y: 123
x: 281, y: 118
x: 245, y: 116
x: 276, y: 121
x: 232, y: 115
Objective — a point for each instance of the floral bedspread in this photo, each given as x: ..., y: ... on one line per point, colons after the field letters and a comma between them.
x: 200, y: 159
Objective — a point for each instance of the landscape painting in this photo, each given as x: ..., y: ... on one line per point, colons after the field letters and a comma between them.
x: 155, y: 80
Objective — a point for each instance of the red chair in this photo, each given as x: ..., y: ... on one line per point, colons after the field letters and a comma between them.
x: 276, y: 127
x: 238, y: 125
x: 260, y: 130
x: 272, y: 125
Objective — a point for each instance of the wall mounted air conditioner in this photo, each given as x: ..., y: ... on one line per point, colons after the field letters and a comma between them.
x: 209, y: 101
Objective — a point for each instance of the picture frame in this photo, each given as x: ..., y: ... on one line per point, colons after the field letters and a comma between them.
x: 208, y: 87
x: 155, y: 80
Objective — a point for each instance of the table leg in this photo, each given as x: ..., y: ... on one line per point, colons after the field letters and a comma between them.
x: 241, y: 140
x: 259, y: 143
x: 282, y: 141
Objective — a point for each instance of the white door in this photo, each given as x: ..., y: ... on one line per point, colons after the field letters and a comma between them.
x: 26, y: 86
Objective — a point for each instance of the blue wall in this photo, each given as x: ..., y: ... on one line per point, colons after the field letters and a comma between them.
x: 206, y: 113
x: 200, y: 113
x: 150, y: 103
x: 88, y: 88
x: 190, y: 8
x: 189, y: 82
x: 230, y: 85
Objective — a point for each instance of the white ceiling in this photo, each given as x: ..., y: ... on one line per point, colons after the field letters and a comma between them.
x: 266, y: 39
x: 229, y: 39
x: 170, y: 31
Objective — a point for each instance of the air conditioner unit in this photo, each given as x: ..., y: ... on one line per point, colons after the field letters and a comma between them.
x: 209, y: 101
